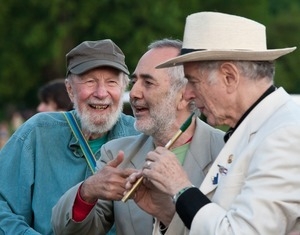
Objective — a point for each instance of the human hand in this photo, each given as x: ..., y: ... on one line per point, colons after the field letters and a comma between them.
x: 150, y: 199
x: 108, y: 183
x: 165, y: 172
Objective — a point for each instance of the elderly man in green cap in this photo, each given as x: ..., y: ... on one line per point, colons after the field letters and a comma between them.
x: 53, y: 151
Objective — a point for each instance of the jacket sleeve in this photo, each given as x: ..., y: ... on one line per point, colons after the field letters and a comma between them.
x: 16, y: 180
x: 176, y: 227
x: 95, y: 223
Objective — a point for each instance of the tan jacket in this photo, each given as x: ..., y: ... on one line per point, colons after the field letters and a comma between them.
x: 128, y: 217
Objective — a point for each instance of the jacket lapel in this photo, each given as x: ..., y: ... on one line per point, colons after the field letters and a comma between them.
x: 213, y: 176
x: 199, y: 156
x: 145, y: 145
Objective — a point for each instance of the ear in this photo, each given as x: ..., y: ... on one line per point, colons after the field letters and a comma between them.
x: 182, y: 101
x: 69, y: 89
x: 231, y: 76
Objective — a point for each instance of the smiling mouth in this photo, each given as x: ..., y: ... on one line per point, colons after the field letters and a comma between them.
x: 99, y: 107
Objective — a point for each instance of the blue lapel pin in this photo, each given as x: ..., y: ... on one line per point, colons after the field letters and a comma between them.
x: 215, y: 179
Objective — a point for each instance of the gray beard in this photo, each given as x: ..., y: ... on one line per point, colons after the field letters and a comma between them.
x: 160, y: 119
x: 107, y: 122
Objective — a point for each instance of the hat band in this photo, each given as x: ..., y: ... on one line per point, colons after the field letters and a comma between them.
x: 187, y: 51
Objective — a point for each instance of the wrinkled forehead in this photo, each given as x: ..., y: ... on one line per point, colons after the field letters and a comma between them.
x: 149, y: 61
x: 191, y: 69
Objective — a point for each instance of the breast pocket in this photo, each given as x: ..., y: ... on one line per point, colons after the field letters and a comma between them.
x: 229, y: 187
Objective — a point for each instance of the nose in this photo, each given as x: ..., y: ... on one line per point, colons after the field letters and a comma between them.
x: 136, y: 91
x: 100, y: 90
x: 189, y: 93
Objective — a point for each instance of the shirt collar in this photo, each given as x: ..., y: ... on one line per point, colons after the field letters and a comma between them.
x: 264, y: 95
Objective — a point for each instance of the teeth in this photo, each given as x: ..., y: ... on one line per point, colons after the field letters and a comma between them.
x: 100, y: 106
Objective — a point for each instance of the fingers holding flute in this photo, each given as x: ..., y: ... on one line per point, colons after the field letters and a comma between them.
x: 163, y: 170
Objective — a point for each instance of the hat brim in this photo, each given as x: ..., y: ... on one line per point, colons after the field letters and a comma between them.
x: 83, y: 67
x: 207, y: 55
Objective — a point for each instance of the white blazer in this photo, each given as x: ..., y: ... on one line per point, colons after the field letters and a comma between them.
x: 260, y: 194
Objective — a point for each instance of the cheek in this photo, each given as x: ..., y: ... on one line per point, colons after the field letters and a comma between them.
x: 215, y: 100
x: 116, y: 95
x: 81, y: 95
x: 201, y: 91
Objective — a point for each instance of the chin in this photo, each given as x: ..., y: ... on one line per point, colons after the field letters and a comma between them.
x: 143, y: 127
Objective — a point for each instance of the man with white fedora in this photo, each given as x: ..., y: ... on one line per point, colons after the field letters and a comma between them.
x: 253, y: 187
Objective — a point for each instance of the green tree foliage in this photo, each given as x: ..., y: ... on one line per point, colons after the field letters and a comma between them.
x: 36, y: 35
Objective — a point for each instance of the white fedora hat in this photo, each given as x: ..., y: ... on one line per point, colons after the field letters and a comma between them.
x: 219, y: 36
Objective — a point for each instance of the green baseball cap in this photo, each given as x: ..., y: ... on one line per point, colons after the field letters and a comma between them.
x: 92, y: 54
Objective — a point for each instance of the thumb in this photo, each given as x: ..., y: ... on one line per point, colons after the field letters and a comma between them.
x: 117, y: 161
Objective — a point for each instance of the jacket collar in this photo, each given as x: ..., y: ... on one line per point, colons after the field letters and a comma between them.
x: 232, y: 129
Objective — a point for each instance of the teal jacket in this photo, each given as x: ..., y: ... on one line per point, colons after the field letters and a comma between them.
x: 40, y: 162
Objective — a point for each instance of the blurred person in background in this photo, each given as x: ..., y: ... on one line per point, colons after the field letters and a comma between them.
x: 43, y: 158
x: 53, y: 96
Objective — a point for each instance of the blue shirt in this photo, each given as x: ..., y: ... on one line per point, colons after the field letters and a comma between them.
x: 38, y: 164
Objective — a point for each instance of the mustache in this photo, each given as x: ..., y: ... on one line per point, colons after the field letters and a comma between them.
x: 99, y: 102
x: 138, y: 103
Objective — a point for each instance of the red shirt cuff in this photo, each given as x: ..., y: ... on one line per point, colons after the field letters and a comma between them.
x: 81, y: 209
